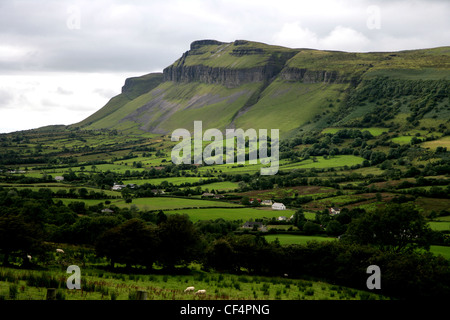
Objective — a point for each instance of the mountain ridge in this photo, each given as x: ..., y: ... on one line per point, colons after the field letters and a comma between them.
x: 251, y: 84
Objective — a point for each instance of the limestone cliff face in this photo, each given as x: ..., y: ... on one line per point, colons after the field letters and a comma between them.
x: 315, y: 76
x: 227, y: 76
x: 274, y: 65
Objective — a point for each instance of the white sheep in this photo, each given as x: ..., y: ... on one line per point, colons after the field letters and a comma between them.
x: 29, y: 257
x: 201, y: 292
x: 189, y: 289
x: 60, y: 250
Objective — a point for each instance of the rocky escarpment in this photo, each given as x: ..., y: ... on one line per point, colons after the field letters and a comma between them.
x: 317, y: 76
x: 274, y: 64
x: 136, y: 86
x: 227, y: 76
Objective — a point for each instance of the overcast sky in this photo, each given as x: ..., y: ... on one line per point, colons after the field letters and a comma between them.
x: 60, y: 61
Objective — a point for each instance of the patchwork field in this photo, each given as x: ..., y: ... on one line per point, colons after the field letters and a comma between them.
x: 232, y: 214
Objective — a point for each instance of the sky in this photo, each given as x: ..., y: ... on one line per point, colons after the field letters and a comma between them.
x: 62, y: 60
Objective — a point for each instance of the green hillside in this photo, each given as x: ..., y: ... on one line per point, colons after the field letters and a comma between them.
x: 247, y: 84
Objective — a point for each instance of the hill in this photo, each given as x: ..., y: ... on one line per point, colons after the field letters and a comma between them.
x: 246, y: 84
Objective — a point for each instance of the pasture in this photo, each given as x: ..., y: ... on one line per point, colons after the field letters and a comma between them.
x: 232, y: 214
x: 170, y: 203
x: 98, y: 284
x: 375, y: 131
x: 286, y: 239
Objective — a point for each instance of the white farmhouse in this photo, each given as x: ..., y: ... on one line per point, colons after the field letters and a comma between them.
x: 118, y: 187
x: 278, y: 206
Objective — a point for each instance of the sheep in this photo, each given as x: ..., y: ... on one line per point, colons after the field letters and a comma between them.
x: 29, y: 257
x: 189, y: 289
x: 60, y: 250
x: 201, y: 292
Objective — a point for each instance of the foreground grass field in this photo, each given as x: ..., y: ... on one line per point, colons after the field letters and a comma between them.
x: 97, y: 284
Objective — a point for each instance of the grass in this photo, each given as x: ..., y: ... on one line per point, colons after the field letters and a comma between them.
x: 375, y: 131
x: 176, y: 181
x: 97, y: 284
x: 220, y: 186
x: 402, y: 139
x: 439, y: 225
x: 442, y: 142
x: 286, y: 239
x: 232, y: 214
x: 441, y: 250
x: 320, y: 162
x: 170, y: 203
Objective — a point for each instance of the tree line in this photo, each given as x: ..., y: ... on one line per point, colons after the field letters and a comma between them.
x: 395, y: 238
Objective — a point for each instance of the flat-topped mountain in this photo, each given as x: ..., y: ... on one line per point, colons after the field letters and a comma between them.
x: 245, y: 84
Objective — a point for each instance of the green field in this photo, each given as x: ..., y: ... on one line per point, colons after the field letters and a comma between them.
x: 169, y: 203
x: 285, y: 165
x: 176, y: 181
x: 375, y: 131
x: 221, y: 186
x: 232, y: 214
x: 402, y: 139
x: 320, y: 162
x: 439, y: 226
x: 286, y: 239
x: 442, y: 142
x: 296, y: 239
x: 102, y: 285
x: 442, y: 250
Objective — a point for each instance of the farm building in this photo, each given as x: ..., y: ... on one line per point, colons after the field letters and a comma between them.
x: 117, y: 187
x: 278, y: 206
x: 59, y: 178
x: 267, y: 202
x: 157, y: 191
x: 334, y: 211
x: 251, y: 224
x: 207, y: 195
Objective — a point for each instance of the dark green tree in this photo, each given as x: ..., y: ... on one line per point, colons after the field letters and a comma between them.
x: 180, y: 241
x: 134, y: 242
x: 18, y: 238
x: 397, y: 228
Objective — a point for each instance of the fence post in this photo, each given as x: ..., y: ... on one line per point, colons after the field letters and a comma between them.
x: 141, y: 295
x: 51, y: 294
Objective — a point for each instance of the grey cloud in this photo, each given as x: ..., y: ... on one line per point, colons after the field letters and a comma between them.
x: 105, y: 93
x: 143, y: 36
x: 64, y: 92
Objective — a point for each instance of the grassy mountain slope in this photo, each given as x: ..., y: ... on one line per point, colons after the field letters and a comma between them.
x: 247, y: 84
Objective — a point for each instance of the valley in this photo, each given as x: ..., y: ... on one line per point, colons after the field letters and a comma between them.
x: 363, y: 149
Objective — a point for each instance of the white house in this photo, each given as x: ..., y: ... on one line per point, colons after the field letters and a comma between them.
x: 59, y: 178
x: 118, y: 187
x: 278, y: 206
x: 334, y: 211
x: 266, y: 202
